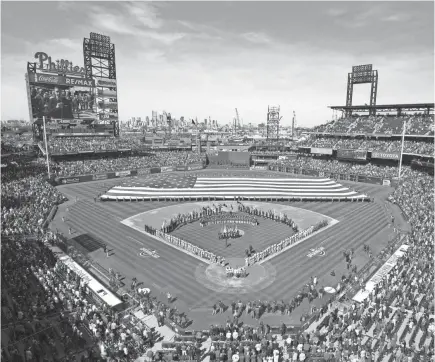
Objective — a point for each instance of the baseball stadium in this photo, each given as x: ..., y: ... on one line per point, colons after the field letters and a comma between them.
x: 173, y: 239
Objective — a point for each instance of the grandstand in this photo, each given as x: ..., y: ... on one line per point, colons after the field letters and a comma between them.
x: 386, y: 280
x: 115, y: 244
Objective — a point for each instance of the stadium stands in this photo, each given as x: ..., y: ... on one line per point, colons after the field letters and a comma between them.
x: 414, y: 147
x: 96, y: 144
x: 38, y: 292
x: 93, y: 166
x: 416, y: 125
x: 343, y: 167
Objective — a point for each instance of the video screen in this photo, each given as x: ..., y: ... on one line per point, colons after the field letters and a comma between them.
x: 63, y: 102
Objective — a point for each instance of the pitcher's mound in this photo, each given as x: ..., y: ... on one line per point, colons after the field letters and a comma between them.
x: 214, y: 277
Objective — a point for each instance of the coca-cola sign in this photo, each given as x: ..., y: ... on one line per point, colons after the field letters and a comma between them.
x: 60, y: 80
x: 45, y: 78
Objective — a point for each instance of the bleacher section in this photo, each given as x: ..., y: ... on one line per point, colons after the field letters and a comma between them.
x: 382, y: 124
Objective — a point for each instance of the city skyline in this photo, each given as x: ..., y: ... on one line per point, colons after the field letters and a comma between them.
x: 204, y: 59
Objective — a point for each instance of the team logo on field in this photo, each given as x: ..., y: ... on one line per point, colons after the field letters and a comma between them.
x: 317, y: 252
x: 144, y: 253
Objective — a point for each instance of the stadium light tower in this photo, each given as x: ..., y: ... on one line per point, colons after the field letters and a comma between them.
x: 362, y: 74
x: 273, y: 122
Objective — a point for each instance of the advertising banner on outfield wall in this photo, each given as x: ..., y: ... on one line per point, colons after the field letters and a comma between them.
x: 166, y: 169
x: 321, y: 151
x: 386, y: 155
x: 70, y: 180
x: 195, y: 166
x: 262, y: 168
x: 155, y: 170
x: 180, y: 168
x: 122, y: 173
x: 102, y: 176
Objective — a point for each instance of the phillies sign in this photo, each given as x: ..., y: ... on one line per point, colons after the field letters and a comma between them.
x: 59, y: 66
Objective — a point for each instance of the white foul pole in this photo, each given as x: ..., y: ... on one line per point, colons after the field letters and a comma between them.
x: 401, y: 151
x: 46, y: 148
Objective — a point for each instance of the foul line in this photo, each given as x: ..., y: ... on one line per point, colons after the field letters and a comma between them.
x: 270, y: 257
x: 126, y: 222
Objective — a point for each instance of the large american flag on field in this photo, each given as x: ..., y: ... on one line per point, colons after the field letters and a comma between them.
x: 175, y: 186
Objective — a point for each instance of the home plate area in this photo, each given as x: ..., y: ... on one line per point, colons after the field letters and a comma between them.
x: 234, y: 241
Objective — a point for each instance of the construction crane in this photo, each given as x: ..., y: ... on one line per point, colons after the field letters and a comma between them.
x: 238, y: 119
x: 294, y: 124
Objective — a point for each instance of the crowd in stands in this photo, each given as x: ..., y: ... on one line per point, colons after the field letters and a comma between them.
x: 395, y: 322
x: 26, y: 203
x: 278, y: 152
x: 15, y: 142
x: 372, y: 145
x: 96, y: 144
x: 416, y: 125
x: 397, y: 319
x: 93, y: 166
x: 335, y: 166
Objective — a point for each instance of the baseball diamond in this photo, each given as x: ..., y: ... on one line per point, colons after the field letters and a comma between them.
x: 196, y: 285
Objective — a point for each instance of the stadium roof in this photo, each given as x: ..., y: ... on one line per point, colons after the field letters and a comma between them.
x: 387, y: 107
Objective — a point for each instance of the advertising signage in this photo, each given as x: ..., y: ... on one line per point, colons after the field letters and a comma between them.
x: 59, y: 89
x: 108, y: 116
x: 386, y: 155
x: 166, y: 169
x: 352, y: 154
x: 105, y: 82
x: 106, y: 93
x: 60, y: 80
x: 197, y: 166
x: 321, y: 151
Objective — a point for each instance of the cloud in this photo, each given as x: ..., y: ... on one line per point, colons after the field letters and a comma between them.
x: 188, y: 25
x: 336, y: 12
x: 112, y: 23
x: 65, y: 5
x: 165, y: 38
x: 395, y: 17
x: 257, y: 38
x: 141, y: 23
x: 145, y: 13
x: 70, y: 44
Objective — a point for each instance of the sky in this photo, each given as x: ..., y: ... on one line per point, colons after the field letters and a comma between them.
x: 204, y: 59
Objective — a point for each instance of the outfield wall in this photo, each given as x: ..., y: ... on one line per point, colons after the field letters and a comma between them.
x: 199, y: 166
